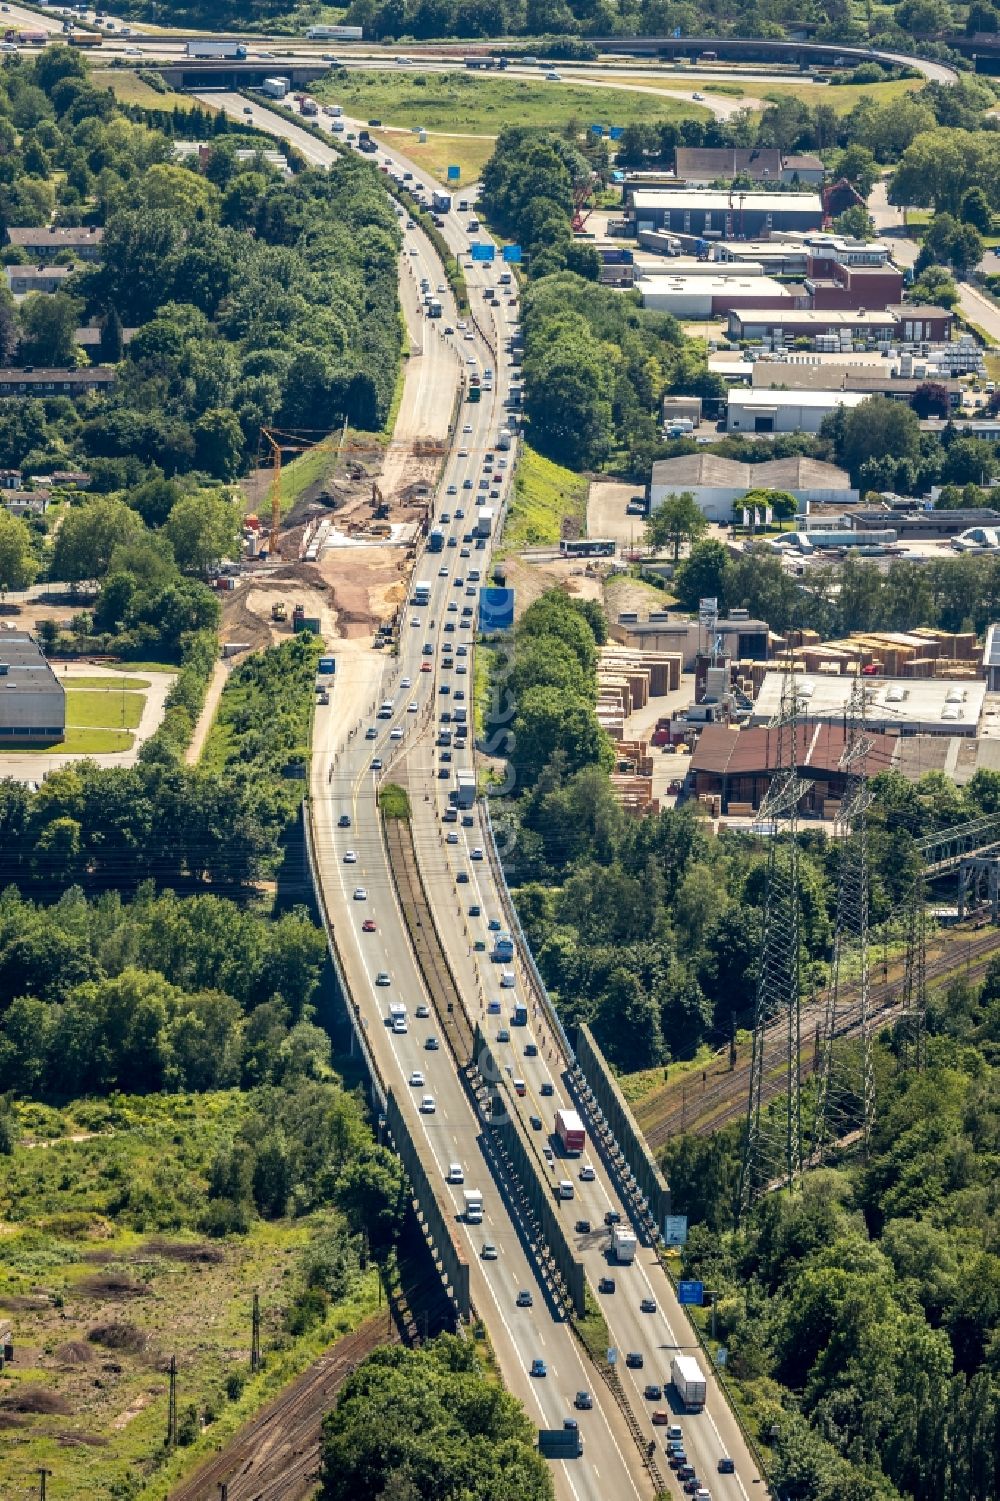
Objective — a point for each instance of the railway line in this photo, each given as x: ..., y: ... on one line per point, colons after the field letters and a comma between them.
x: 721, y: 1099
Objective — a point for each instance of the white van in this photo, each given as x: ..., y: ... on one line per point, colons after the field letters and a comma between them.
x: 508, y: 979
x: 564, y: 1189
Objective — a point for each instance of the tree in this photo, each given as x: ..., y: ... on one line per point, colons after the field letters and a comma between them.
x: 218, y: 443
x: 18, y: 564
x: 975, y: 210
x: 931, y: 399
x: 203, y: 528
x: 859, y: 166
x: 112, y: 338
x: 677, y: 519
x: 855, y: 221
x: 89, y: 535
x: 703, y: 575
x: 48, y: 328
x: 879, y: 426
x: 372, y: 1192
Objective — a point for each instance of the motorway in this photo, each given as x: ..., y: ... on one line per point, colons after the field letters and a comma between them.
x: 457, y: 878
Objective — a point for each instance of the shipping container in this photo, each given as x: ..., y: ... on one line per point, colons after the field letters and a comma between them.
x: 570, y: 1131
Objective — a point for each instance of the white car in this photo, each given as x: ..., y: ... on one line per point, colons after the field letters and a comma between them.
x: 489, y: 1251
x: 411, y: 708
x: 417, y: 1079
x: 382, y: 978
x: 350, y: 857
x: 452, y: 837
x: 455, y: 1173
x: 552, y: 77
x: 428, y: 1105
x: 423, y: 1010
x: 361, y: 893
x: 467, y: 428
x: 698, y: 97
x: 463, y: 453
x: 587, y: 1174
x: 406, y: 682
x: 396, y: 733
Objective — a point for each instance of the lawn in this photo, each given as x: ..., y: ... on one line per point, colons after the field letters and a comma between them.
x: 88, y: 685
x: 455, y: 103
x: 129, y: 88
x: 843, y: 97
x: 79, y: 742
x: 103, y: 708
x: 439, y: 152
x: 81, y: 1217
x: 544, y: 493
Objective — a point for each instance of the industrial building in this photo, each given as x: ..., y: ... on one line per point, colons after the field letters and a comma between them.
x: 900, y: 324
x: 791, y: 254
x: 699, y: 298
x: 32, y: 700
x: 722, y: 215
x: 903, y: 706
x: 762, y: 410
x: 737, y: 766
x: 717, y: 483
x: 883, y: 378
x: 741, y: 638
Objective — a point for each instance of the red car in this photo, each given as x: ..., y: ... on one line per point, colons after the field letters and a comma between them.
x: 425, y: 667
x: 661, y: 1417
x: 368, y: 926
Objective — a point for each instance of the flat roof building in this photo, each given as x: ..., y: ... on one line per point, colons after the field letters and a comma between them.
x: 907, y: 323
x: 723, y: 215
x: 905, y: 706
x: 758, y: 409
x: 702, y: 297
x: 32, y: 700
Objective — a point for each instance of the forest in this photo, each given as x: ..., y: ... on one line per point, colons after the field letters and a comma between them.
x: 862, y: 1314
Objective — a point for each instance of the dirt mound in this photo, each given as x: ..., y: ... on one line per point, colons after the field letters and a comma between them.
x: 182, y: 1250
x: 117, y: 1336
x: 22, y: 1303
x: 35, y: 1399
x: 74, y: 1352
x: 112, y: 1285
x: 80, y: 1440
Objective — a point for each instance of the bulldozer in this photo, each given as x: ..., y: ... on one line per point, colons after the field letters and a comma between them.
x: 380, y: 506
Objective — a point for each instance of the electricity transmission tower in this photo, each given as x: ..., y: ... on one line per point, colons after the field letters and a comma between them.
x: 913, y: 1029
x: 772, y: 1149
x: 846, y: 1096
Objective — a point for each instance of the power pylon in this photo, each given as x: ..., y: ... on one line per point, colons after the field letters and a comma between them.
x: 772, y: 1149
x: 172, y: 1405
x: 913, y: 1028
x: 846, y: 1096
x: 255, y: 1335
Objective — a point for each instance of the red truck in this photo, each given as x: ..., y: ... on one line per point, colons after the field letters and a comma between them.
x: 570, y: 1131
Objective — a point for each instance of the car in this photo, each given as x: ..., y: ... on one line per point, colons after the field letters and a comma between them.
x: 452, y: 607
x: 634, y: 1360
x: 428, y: 1105
x: 660, y: 1417
x: 466, y: 485
x: 442, y: 573
x: 538, y: 1367
x: 382, y: 978
x: 685, y: 1471
x: 612, y: 1217
x: 377, y: 764
x: 470, y: 336
x: 396, y: 733
x: 428, y: 648
x: 524, y: 1298
x: 248, y: 109
x: 676, y: 1458
x: 531, y: 1050
x: 652, y: 1392
x: 412, y: 707
x: 503, y: 1035
x: 344, y: 821
x: 552, y: 77
x: 462, y: 878
x: 606, y: 1285
x: 360, y: 893
x: 452, y: 837
x: 452, y: 490
x: 535, y: 1122
x: 726, y: 1466
x: 675, y: 1433
x: 423, y: 1010
x: 587, y: 1174
x: 647, y: 1305
x: 462, y: 650
x: 350, y: 857
x: 584, y: 1401
x: 368, y: 926
x: 548, y: 1154
x: 455, y: 1173
x: 417, y: 1079
x: 698, y: 97
x: 465, y: 553
x: 468, y: 426
x: 426, y: 667
x: 432, y: 1045
x: 582, y: 1227
x: 475, y: 910
x: 443, y: 774
x: 547, y: 1088
x: 467, y: 820
x: 406, y: 682
x: 448, y: 329
x: 477, y: 853
x: 489, y: 1251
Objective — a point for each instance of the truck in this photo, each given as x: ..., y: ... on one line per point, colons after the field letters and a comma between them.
x: 275, y: 88
x: 475, y: 394
x: 421, y: 594
x: 334, y: 34
x: 503, y: 949
x: 560, y: 1443
x: 216, y: 49
x: 85, y: 39
x: 440, y: 201
x: 520, y: 1017
x: 326, y: 666
x: 484, y: 521
x: 473, y: 1206
x: 309, y: 108
x: 503, y: 439
x: 571, y: 1133
x: 464, y: 795
x: 365, y: 143
x: 689, y: 1382
x: 434, y: 309
x: 623, y: 1244
x: 435, y: 540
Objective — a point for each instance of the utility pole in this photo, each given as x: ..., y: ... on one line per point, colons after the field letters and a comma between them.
x: 42, y: 1475
x: 914, y: 1029
x: 255, y: 1335
x: 172, y: 1406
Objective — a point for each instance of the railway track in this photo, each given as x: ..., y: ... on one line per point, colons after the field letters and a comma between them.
x: 276, y: 1456
x: 722, y: 1095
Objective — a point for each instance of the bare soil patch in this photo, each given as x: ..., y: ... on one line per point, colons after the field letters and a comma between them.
x: 38, y: 1400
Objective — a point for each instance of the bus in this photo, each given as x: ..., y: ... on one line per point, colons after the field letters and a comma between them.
x: 586, y: 547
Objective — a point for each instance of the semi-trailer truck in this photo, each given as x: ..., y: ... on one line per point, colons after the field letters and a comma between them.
x: 435, y: 540
x: 689, y: 1382
x: 623, y: 1244
x: 441, y: 202
x: 216, y: 49
x: 464, y: 795
x: 334, y: 34
x: 484, y: 521
x: 570, y: 1131
x: 421, y: 594
x: 275, y: 88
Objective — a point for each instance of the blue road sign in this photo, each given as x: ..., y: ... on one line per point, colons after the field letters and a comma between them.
x: 692, y: 1293
x: 454, y: 173
x: 597, y: 130
x: 615, y: 132
x: 496, y: 610
x: 512, y: 254
x: 482, y: 252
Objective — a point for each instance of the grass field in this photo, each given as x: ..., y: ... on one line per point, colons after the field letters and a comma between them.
x: 79, y: 1218
x: 103, y: 709
x: 844, y: 97
x: 439, y: 152
x: 456, y: 104
x: 544, y: 493
x: 89, y: 685
x: 129, y: 88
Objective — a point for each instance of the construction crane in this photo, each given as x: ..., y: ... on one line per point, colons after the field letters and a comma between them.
x: 580, y: 195
x: 281, y: 443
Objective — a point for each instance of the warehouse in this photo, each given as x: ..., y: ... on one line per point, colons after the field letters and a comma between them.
x: 723, y: 215
x: 904, y: 323
x: 717, y: 483
x: 32, y: 700
x: 906, y: 706
x: 761, y: 410
x: 700, y: 297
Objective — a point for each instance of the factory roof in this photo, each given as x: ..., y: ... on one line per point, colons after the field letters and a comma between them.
x: 22, y: 664
x: 893, y: 702
x: 708, y: 469
x: 718, y: 285
x: 652, y: 198
x: 822, y: 317
x: 723, y: 751
x: 727, y: 161
x: 767, y: 397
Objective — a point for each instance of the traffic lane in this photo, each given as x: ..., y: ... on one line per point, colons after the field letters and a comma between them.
x: 237, y: 108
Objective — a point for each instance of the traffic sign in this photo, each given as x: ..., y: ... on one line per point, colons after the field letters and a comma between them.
x: 691, y: 1293
x: 482, y: 252
x: 512, y: 254
x: 675, y: 1230
x: 615, y: 132
x: 454, y: 173
x: 721, y: 1355
x: 597, y: 130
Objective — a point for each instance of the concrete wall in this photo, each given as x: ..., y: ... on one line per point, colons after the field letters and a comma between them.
x: 453, y: 1265
x: 599, y: 1080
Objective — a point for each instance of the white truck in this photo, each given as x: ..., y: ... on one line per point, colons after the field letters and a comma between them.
x: 216, y: 49
x: 623, y: 1244
x: 689, y: 1382
x: 464, y: 795
x: 473, y: 1206
x: 334, y: 34
x: 484, y: 521
x: 421, y: 594
x: 275, y: 88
